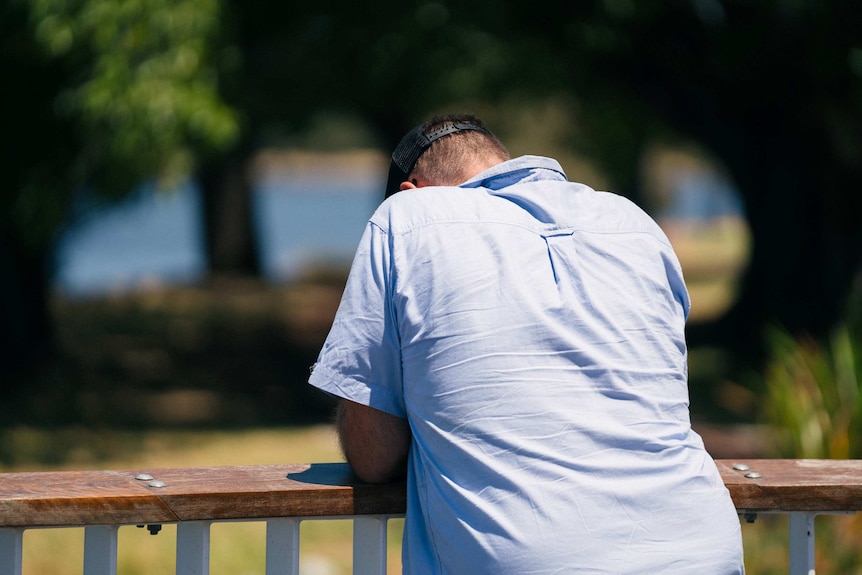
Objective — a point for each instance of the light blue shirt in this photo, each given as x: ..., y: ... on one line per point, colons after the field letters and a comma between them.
x: 531, y: 331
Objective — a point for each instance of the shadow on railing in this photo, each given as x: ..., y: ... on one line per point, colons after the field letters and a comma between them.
x: 285, y: 495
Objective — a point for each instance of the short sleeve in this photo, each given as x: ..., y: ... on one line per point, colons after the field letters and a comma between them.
x: 361, y: 358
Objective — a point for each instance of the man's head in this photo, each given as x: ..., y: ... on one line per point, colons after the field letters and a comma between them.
x: 444, y: 151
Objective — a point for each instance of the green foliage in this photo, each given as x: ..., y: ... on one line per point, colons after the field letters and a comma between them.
x: 143, y: 89
x: 814, y: 394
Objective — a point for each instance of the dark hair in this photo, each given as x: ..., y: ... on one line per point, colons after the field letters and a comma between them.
x: 454, y: 145
x: 448, y: 158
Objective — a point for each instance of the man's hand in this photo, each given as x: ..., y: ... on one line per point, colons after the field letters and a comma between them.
x: 374, y: 442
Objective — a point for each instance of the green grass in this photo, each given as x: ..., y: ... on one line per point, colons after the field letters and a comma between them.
x: 814, y: 394
x: 813, y: 399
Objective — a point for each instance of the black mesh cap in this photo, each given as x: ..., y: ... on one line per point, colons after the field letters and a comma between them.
x: 413, y: 144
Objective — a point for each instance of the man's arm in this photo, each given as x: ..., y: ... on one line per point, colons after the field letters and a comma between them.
x: 375, y: 443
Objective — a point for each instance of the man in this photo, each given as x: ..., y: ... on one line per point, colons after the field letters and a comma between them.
x: 514, y: 343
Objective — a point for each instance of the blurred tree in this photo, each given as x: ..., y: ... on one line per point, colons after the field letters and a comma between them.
x: 772, y: 89
x: 108, y: 92
x: 34, y: 143
x: 100, y: 94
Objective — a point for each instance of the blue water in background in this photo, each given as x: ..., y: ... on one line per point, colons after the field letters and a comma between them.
x: 300, y: 219
x: 302, y: 222
x: 157, y: 238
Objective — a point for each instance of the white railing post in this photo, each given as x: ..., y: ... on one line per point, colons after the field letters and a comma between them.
x: 100, y: 550
x: 282, y: 547
x: 193, y: 548
x: 802, y: 543
x: 11, y: 545
x: 369, y: 545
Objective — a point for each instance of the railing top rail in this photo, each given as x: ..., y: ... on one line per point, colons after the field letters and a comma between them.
x: 794, y: 484
x: 68, y: 498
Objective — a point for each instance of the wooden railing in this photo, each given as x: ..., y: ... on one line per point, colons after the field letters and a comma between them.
x: 284, y: 495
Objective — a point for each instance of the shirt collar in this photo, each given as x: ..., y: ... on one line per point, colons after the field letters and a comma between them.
x: 517, y: 170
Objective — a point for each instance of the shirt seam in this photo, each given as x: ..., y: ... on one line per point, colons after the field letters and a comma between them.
x: 538, y: 232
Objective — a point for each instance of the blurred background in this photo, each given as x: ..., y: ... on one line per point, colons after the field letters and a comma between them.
x: 186, y: 181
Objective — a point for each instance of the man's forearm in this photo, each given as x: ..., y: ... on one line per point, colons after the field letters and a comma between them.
x: 375, y: 443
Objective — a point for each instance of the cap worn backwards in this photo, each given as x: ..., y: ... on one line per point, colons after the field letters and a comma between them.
x: 413, y: 144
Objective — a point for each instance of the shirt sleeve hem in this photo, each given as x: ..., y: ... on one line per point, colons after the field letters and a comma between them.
x: 339, y: 385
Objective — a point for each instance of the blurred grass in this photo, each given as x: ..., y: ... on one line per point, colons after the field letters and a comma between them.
x: 814, y: 394
x: 813, y: 401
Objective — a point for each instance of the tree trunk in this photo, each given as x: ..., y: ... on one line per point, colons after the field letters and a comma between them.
x: 230, y: 236
x: 25, y: 323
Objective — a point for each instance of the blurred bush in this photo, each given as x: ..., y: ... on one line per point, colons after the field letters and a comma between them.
x: 813, y: 399
x: 813, y: 394
x: 142, y: 84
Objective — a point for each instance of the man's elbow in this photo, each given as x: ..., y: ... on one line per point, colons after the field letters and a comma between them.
x: 377, y: 472
x: 375, y: 443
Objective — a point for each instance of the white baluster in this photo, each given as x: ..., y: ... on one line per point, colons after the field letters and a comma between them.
x: 193, y: 548
x: 282, y: 547
x: 369, y: 545
x: 100, y: 550
x: 802, y: 543
x: 11, y: 545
